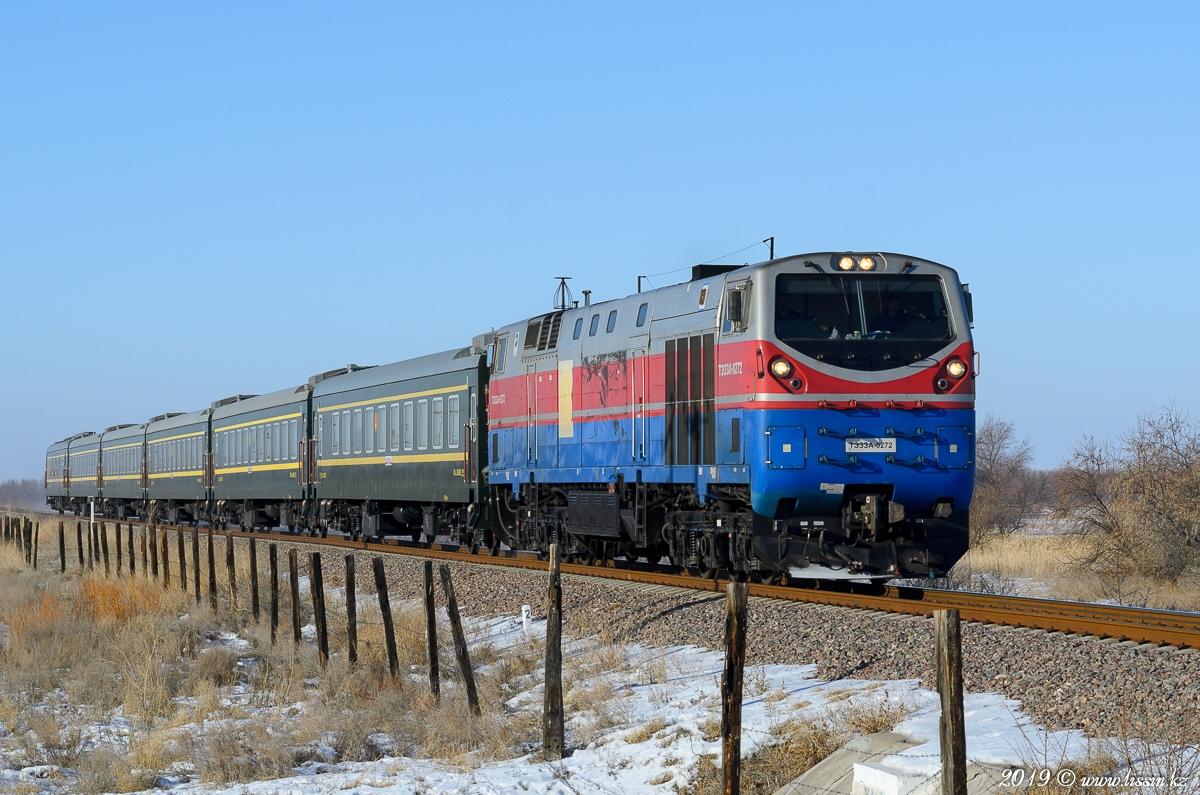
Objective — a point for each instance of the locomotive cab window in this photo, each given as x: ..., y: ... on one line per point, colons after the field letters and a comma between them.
x: 595, y: 326
x: 612, y: 322
x: 862, y: 322
x: 498, y: 350
x: 641, y: 318
x: 578, y: 329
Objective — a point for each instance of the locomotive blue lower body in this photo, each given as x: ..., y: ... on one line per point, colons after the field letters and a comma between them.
x: 816, y: 492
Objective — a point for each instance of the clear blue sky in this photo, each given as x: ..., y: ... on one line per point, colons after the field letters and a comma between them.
x: 204, y: 199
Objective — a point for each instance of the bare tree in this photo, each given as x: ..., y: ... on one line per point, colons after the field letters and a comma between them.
x: 1137, y: 504
x: 1008, y: 492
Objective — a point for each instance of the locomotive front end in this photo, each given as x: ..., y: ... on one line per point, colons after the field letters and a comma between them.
x: 864, y: 416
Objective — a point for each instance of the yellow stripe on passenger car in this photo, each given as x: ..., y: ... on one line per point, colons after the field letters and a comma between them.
x: 256, y: 468
x: 173, y: 438
x: 256, y: 422
x: 190, y: 474
x: 396, y: 459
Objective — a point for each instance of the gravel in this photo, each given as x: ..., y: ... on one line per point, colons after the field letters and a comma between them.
x: 1103, y: 688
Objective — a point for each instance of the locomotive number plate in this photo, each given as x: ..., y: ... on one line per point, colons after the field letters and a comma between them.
x: 887, y: 445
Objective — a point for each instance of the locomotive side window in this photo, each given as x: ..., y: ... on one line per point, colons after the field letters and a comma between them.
x: 438, y: 423
x: 595, y: 325
x: 641, y: 319
x: 408, y: 425
x: 612, y: 322
x: 394, y: 426
x: 497, y: 351
x: 579, y: 328
x: 422, y: 424
x: 452, y: 420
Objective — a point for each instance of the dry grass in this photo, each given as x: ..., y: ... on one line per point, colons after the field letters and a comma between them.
x: 799, y: 742
x: 1049, y: 559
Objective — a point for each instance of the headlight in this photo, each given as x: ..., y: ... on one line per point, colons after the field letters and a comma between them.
x: 846, y: 263
x: 866, y: 264
x: 955, y: 368
x: 781, y: 367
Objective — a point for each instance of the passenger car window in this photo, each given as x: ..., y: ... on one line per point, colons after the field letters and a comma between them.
x: 394, y: 425
x: 422, y: 424
x: 408, y: 425
x: 438, y: 423
x: 337, y: 436
x: 358, y: 431
x: 453, y: 423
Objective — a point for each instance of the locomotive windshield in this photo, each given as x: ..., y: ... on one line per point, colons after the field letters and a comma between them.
x: 862, y: 322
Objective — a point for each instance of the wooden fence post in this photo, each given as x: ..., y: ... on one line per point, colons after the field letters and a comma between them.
x: 129, y: 538
x: 152, y: 542
x: 164, y: 536
x: 952, y: 726
x: 144, y: 535
x: 317, y: 587
x: 96, y: 541
x: 182, y: 544
x: 196, y: 561
x: 351, y: 613
x: 90, y: 557
x: 120, y: 563
x: 435, y: 682
x: 104, y: 548
x: 254, y: 579
x: 62, y: 547
x: 79, y: 541
x: 552, y: 706
x: 460, y: 640
x: 273, y: 554
x: 385, y: 609
x: 294, y: 573
x: 731, y: 685
x: 37, y: 542
x: 231, y: 571
x: 212, y: 571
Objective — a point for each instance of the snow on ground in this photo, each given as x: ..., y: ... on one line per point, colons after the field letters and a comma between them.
x: 675, y: 692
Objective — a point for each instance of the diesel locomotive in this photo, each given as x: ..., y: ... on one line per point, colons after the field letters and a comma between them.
x: 809, y: 416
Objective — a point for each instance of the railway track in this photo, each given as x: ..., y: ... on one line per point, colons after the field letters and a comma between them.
x: 1133, y: 625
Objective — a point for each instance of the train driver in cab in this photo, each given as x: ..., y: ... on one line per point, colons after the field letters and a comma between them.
x: 894, y: 318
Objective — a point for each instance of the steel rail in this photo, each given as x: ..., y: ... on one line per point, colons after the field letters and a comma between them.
x: 1134, y: 624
